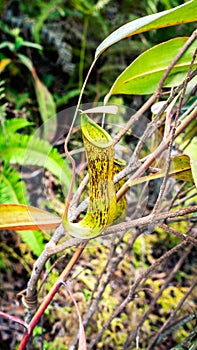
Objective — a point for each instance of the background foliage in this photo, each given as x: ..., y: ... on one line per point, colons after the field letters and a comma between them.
x: 45, y: 52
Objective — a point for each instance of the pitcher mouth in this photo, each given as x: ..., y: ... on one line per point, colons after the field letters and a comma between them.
x: 99, y: 139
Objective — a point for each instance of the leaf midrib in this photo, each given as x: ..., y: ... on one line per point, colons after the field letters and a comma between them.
x: 144, y: 74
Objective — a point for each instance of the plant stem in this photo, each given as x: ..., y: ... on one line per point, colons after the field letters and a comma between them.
x: 14, y: 319
x: 82, y: 52
x: 51, y: 295
x: 157, y: 92
x: 156, y: 153
x: 69, y: 197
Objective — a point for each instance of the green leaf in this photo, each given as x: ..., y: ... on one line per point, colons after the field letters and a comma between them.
x: 8, y: 44
x: 12, y: 189
x: 14, y: 124
x: 45, y: 100
x: 191, y: 131
x: 32, y: 45
x: 29, y: 150
x: 18, y: 42
x: 180, y: 168
x: 26, y: 61
x: 181, y: 14
x: 34, y: 240
x: 143, y: 75
x: 191, y: 150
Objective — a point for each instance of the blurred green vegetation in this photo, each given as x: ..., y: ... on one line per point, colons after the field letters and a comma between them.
x: 45, y: 52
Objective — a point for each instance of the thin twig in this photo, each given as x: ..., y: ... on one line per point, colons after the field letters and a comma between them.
x: 14, y: 319
x: 50, y: 296
x: 39, y: 265
x: 101, y: 283
x: 133, y: 289
x: 153, y: 98
x: 136, y: 331
x: 69, y: 196
x: 175, y: 326
x: 176, y: 195
x: 181, y: 194
x: 156, y: 153
x: 112, y: 267
x: 116, y: 229
x: 168, y: 160
x: 171, y: 317
x: 191, y: 219
x: 151, y: 128
x: 189, y: 109
x: 184, y: 199
x: 178, y: 234
x: 46, y: 276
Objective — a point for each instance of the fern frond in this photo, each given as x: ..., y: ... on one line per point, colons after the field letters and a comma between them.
x: 12, y: 189
x: 34, y: 240
x: 14, y: 124
x: 29, y: 150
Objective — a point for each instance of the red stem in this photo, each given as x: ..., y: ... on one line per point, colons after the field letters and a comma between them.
x: 14, y: 319
x: 50, y: 296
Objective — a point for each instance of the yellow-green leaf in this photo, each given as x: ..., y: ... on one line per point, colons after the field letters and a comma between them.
x: 181, y: 14
x: 24, y: 217
x: 191, y: 150
x: 3, y: 63
x: 180, y: 168
x: 143, y: 75
x: 190, y: 132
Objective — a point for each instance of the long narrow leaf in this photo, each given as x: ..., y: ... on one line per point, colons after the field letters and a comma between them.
x: 45, y: 99
x: 180, y: 168
x: 143, y: 75
x: 24, y: 217
x: 181, y: 14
